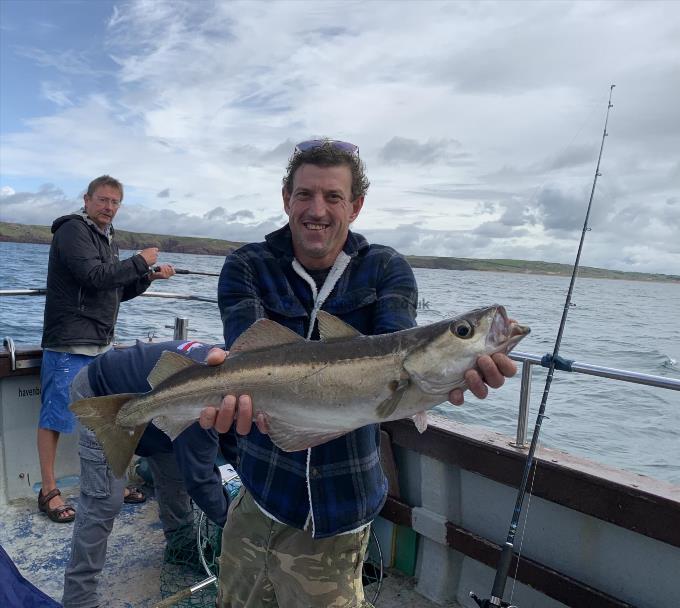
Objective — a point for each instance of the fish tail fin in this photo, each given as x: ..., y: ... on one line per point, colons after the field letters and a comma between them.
x: 99, y: 415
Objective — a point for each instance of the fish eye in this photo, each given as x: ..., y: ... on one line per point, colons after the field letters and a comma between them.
x: 462, y: 329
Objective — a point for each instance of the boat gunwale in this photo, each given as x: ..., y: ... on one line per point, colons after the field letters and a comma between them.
x: 633, y: 501
x: 542, y: 578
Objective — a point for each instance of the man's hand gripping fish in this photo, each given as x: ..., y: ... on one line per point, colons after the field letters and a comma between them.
x: 309, y: 391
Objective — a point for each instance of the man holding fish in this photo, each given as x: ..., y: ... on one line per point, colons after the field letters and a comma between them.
x: 297, y: 533
x: 320, y: 328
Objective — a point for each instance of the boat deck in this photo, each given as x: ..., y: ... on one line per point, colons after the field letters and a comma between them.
x: 597, y: 536
x: 134, y: 567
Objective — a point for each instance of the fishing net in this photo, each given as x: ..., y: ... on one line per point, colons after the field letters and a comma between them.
x: 184, y: 564
x: 192, y: 553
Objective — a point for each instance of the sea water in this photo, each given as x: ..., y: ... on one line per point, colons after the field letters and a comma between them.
x: 621, y: 324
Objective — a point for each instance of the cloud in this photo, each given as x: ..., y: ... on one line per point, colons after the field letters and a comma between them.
x: 216, y: 213
x: 405, y: 150
x: 402, y: 210
x: 234, y: 227
x: 516, y: 213
x: 280, y: 153
x: 559, y: 210
x: 115, y: 18
x: 55, y: 93
x: 480, y: 141
x: 574, y: 156
x: 631, y: 241
x: 40, y: 207
x: 498, y: 230
x: 220, y: 213
x: 68, y: 62
x: 447, y: 191
x: 242, y: 214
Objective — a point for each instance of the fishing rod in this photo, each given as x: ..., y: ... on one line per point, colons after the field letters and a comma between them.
x: 183, y: 271
x: 554, y: 360
x: 186, y: 593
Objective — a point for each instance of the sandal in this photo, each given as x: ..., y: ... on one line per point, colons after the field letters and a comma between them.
x: 135, y: 496
x: 56, y: 513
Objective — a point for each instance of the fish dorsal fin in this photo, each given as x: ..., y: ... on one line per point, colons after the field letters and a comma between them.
x: 331, y: 328
x: 264, y: 333
x: 170, y: 363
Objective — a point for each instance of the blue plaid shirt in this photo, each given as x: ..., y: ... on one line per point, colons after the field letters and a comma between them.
x: 343, y: 481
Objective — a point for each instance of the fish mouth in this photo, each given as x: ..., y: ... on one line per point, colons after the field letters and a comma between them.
x: 504, y: 331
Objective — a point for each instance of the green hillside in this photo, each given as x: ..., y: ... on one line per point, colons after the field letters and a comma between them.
x: 22, y: 233
x: 533, y: 267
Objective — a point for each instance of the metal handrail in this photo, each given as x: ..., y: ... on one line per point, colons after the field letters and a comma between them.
x: 606, y: 372
x: 176, y: 296
x: 149, y: 294
x: 23, y: 292
x: 8, y: 343
x: 528, y: 360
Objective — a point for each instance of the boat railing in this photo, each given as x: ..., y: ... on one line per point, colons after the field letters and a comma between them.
x: 147, y: 294
x: 528, y: 361
x: 180, y: 327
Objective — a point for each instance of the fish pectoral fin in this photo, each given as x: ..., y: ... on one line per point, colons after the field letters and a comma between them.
x: 170, y: 363
x: 99, y: 415
x: 292, y: 438
x: 264, y: 333
x: 387, y: 407
x: 172, y: 427
x: 420, y: 420
x: 330, y: 327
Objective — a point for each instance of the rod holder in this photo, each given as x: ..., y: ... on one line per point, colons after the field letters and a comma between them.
x: 181, y: 328
x: 523, y: 414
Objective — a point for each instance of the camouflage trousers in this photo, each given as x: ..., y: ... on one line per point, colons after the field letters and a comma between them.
x: 266, y: 564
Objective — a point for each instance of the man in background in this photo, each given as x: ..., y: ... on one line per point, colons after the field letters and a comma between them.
x: 180, y: 469
x: 86, y: 283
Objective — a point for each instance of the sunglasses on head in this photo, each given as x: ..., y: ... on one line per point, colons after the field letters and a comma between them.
x: 342, y: 146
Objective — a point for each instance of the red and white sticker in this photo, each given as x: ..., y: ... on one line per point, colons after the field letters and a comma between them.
x: 185, y: 347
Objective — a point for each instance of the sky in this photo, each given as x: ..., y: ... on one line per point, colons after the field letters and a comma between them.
x: 479, y: 122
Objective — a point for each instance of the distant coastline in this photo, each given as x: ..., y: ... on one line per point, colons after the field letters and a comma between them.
x: 25, y: 233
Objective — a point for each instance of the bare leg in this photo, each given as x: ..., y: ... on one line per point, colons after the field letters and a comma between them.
x: 47, y: 453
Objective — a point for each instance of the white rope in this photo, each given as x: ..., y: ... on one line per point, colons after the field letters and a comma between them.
x: 339, y: 266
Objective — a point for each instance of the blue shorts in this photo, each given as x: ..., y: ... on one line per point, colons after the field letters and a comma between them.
x: 56, y: 374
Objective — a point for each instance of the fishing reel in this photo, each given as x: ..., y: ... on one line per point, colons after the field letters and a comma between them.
x: 487, y: 603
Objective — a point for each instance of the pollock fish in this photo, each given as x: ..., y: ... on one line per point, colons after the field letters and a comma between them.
x: 309, y: 391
